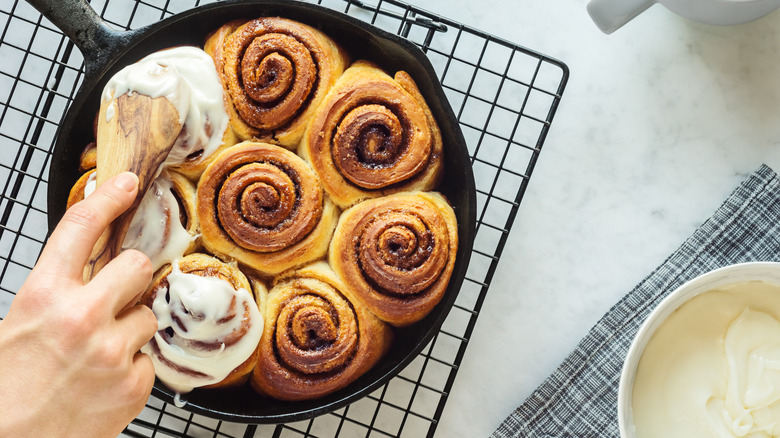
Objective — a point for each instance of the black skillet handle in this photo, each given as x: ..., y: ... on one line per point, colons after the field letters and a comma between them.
x: 97, y: 42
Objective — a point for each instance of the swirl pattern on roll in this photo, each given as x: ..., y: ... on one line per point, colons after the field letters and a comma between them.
x: 275, y: 73
x: 209, y: 323
x: 397, y: 253
x: 262, y: 205
x: 372, y: 136
x: 317, y: 338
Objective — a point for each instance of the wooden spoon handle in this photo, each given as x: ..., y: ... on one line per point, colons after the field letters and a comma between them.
x: 135, y: 133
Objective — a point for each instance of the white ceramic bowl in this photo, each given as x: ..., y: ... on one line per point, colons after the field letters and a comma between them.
x: 757, y: 271
x: 610, y: 15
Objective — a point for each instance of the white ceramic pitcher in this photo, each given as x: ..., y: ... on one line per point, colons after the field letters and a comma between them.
x: 610, y: 15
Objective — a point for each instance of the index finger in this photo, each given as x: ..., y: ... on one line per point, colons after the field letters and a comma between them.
x: 124, y: 279
x: 71, y: 242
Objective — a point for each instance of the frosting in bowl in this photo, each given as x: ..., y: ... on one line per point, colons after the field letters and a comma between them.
x: 712, y: 369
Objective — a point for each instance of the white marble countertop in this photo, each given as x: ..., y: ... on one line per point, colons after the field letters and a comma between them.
x: 660, y: 121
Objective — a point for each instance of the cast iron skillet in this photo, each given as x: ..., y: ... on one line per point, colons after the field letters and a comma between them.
x: 106, y: 51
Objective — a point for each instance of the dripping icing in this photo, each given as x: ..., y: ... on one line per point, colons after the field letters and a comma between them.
x: 155, y: 229
x: 210, y: 299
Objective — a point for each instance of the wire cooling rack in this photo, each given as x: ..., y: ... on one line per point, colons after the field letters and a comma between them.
x: 505, y: 97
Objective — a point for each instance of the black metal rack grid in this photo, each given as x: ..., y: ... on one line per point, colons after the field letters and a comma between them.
x: 505, y: 97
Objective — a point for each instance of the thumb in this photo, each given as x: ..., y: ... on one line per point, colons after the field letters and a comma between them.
x: 71, y: 242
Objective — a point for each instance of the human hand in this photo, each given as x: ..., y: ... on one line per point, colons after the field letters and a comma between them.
x: 69, y: 360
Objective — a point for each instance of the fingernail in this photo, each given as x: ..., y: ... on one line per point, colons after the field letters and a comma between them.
x: 126, y: 181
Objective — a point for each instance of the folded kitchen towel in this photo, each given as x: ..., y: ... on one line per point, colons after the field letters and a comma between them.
x: 580, y: 398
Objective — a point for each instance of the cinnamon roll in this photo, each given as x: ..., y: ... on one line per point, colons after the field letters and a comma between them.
x: 165, y: 224
x: 83, y: 186
x: 262, y: 205
x: 88, y: 158
x: 317, y: 338
x: 396, y: 253
x: 209, y: 317
x: 194, y: 164
x: 86, y: 182
x: 275, y: 72
x: 372, y: 136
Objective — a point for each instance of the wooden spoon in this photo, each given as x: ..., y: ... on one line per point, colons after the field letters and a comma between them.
x: 136, y: 136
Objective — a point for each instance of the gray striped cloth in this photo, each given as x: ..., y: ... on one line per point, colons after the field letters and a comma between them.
x: 580, y: 398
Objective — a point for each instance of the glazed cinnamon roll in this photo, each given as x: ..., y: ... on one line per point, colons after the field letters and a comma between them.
x: 373, y: 135
x: 262, y: 205
x: 209, y: 317
x: 396, y: 253
x: 275, y: 72
x: 317, y: 338
x: 166, y: 223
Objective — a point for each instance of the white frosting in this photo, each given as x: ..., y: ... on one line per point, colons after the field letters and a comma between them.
x: 155, y: 229
x: 713, y: 368
x: 187, y: 77
x: 91, y: 184
x: 192, y: 307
